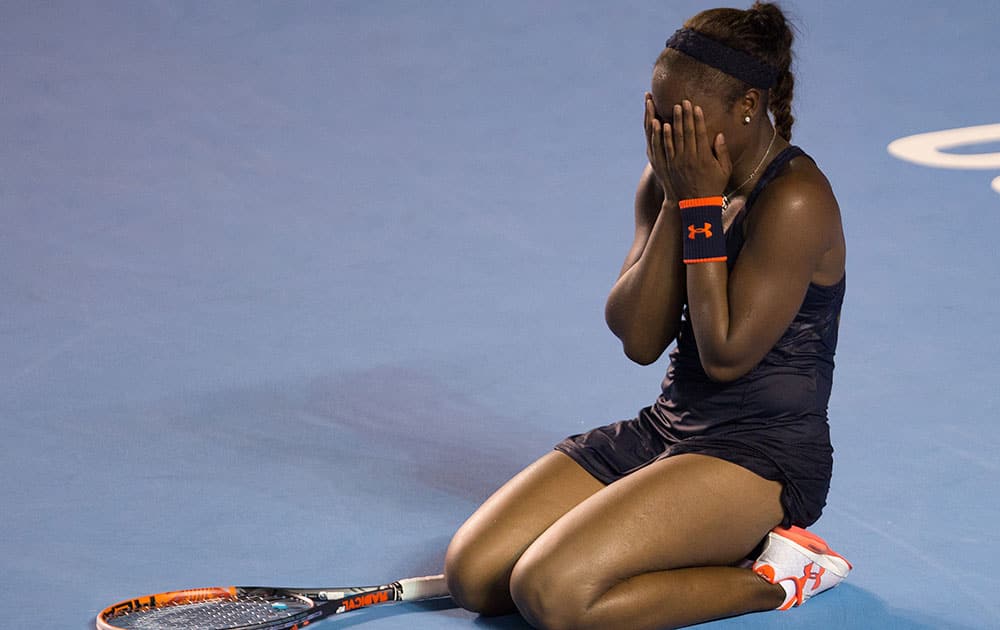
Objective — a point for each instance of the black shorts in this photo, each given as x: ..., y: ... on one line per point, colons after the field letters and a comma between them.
x: 797, y: 454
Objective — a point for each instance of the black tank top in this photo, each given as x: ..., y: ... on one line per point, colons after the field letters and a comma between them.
x: 791, y: 382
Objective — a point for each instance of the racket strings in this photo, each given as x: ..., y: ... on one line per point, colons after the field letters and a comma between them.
x: 212, y: 614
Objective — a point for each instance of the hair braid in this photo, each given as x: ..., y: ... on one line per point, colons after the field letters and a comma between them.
x: 780, y: 104
x: 771, y: 24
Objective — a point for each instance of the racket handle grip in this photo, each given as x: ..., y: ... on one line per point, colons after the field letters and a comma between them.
x: 428, y: 587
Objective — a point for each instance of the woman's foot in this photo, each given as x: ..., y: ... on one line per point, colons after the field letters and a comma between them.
x: 801, y: 562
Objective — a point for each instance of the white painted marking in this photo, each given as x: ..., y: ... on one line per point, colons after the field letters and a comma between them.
x: 928, y: 149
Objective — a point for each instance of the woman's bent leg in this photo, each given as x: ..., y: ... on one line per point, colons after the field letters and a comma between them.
x: 653, y: 550
x: 484, y: 550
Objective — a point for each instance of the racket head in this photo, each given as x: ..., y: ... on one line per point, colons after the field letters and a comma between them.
x: 258, y: 607
x: 213, y: 608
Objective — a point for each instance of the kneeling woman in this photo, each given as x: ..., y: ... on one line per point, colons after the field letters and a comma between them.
x: 692, y: 510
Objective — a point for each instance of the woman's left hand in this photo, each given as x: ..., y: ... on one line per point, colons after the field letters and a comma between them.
x: 696, y: 166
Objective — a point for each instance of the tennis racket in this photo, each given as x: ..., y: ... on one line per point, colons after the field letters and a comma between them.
x: 258, y: 607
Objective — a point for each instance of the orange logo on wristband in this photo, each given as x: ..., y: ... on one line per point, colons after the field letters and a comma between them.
x: 693, y: 231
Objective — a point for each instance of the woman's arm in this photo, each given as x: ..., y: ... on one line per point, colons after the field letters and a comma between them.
x: 644, y: 307
x: 738, y: 317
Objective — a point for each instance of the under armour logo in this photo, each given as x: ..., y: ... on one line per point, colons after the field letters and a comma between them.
x: 810, y: 574
x: 693, y: 231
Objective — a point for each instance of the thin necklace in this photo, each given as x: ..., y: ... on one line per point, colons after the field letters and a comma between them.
x: 725, y: 197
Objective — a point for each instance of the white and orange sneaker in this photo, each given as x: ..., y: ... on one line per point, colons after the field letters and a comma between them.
x: 801, y: 562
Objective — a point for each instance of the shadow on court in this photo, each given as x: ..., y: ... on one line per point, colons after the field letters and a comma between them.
x: 381, y: 424
x: 452, y: 443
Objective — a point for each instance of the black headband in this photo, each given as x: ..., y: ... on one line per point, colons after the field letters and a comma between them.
x: 735, y: 63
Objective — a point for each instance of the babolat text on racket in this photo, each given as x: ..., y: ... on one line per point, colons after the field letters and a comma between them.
x: 258, y: 607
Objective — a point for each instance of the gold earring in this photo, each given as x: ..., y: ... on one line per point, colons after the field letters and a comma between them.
x: 746, y: 119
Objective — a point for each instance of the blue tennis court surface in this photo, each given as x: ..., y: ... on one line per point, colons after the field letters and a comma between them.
x: 289, y: 288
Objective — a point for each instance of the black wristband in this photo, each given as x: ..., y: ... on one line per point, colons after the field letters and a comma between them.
x: 704, y: 239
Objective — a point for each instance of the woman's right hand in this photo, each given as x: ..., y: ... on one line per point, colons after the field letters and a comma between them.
x: 655, y: 148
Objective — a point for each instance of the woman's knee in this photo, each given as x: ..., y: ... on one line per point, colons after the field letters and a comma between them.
x: 547, y: 595
x: 477, y: 581
x: 483, y: 551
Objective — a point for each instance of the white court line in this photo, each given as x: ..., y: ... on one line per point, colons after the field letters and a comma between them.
x: 930, y: 149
